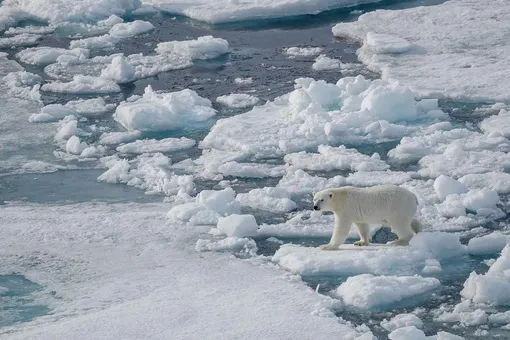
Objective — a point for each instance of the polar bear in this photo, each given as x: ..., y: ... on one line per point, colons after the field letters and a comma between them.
x: 385, y: 204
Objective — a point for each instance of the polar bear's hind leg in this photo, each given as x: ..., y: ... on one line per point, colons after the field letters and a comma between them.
x: 364, y: 234
x: 404, y: 231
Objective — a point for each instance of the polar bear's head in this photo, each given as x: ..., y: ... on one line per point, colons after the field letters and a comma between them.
x: 323, y: 201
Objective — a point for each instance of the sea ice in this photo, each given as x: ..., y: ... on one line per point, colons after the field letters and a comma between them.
x: 93, y: 107
x: 324, y: 62
x: 114, y: 138
x: 497, y: 124
x: 488, y: 244
x: 119, y: 71
x: 439, y: 58
x: 269, y: 199
x: 234, y: 244
x: 75, y: 146
x: 302, y: 51
x: 367, y: 291
x: 47, y: 55
x: 237, y: 100
x: 206, y: 47
x: 153, y: 145
x: 20, y: 40
x: 163, y: 111
x: 238, y: 225
x: 401, y: 320
x: 445, y: 185
x: 23, y: 84
x: 496, y: 181
x: 83, y: 85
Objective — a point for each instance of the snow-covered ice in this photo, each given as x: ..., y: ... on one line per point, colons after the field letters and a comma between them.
x: 425, y: 48
x: 238, y: 225
x: 20, y: 40
x: 367, y: 291
x: 444, y: 186
x: 324, y: 62
x: 237, y: 100
x: 206, y: 47
x: 302, y: 51
x: 268, y: 199
x: 47, y: 55
x: 163, y: 111
x: 401, y: 320
x: 487, y: 245
x: 497, y: 124
x: 114, y: 138
x: 83, y: 85
x: 153, y: 145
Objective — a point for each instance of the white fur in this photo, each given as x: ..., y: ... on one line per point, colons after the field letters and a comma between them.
x: 382, y: 204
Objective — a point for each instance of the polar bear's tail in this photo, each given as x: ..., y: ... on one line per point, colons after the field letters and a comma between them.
x: 416, y: 226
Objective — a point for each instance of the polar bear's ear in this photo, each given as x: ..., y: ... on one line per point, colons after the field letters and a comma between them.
x: 330, y: 195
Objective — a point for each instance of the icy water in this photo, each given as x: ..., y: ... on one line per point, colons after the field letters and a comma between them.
x: 256, y: 52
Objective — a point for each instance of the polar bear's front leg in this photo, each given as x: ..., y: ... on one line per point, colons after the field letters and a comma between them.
x: 340, y: 232
x: 364, y: 234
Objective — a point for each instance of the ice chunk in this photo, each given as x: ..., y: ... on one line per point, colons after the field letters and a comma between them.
x: 120, y: 71
x: 445, y: 185
x: 393, y: 103
x: 68, y: 129
x: 452, y: 207
x: 83, y: 85
x: 488, y: 244
x: 46, y: 55
x: 238, y: 101
x: 298, y: 181
x: 500, y: 318
x: 131, y: 29
x: 206, y: 47
x: 302, y: 51
x: 401, y: 320
x: 74, y: 146
x: 493, y: 287
x: 251, y: 170
x: 480, y: 199
x: 93, y: 107
x: 437, y: 62
x: 153, y: 145
x: 238, y: 225
x: 324, y: 62
x: 330, y: 158
x: 113, y: 138
x: 406, y: 333
x: 386, y: 44
x: 497, y: 124
x: 24, y: 84
x: 243, y: 81
x: 496, y: 181
x: 269, y: 199
x: 103, y: 42
x: 20, y: 40
x: 235, y: 244
x: 367, y: 291
x: 462, y: 314
x: 163, y: 111
x: 371, y: 178
x: 223, y: 201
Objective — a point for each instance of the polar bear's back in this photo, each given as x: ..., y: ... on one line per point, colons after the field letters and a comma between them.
x: 376, y: 201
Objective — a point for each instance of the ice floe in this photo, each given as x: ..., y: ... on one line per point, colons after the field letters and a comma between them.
x: 153, y: 145
x: 237, y: 100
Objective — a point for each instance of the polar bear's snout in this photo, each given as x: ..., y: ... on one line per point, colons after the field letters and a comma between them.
x: 315, y: 207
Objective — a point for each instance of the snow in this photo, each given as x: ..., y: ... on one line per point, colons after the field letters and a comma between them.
x: 153, y: 145
x: 401, y: 320
x: 323, y: 63
x: 302, y: 51
x: 488, y: 244
x: 374, y: 259
x: 82, y: 85
x: 47, y: 55
x: 206, y: 47
x: 497, y: 124
x: 250, y: 170
x: 238, y: 225
x: 300, y: 182
x: 119, y: 71
x: 445, y: 185
x: 331, y: 158
x: 496, y: 181
x: 117, y: 277
x: 228, y: 11
x: 238, y: 100
x: 269, y: 199
x: 367, y: 291
x: 163, y: 111
x: 234, y: 244
x: 492, y: 287
x: 424, y: 48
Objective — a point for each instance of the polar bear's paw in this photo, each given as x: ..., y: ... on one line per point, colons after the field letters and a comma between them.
x: 361, y: 243
x: 328, y: 247
x: 399, y: 243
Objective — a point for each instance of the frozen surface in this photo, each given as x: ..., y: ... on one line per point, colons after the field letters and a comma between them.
x: 163, y: 111
x: 488, y: 244
x: 367, y: 291
x: 20, y: 40
x: 141, y: 254
x: 435, y: 53
x: 47, y: 55
x: 324, y: 62
x: 206, y: 47
x: 238, y: 225
x: 444, y: 186
x: 497, y: 124
x: 153, y: 145
x: 401, y: 320
x: 237, y: 100
x: 268, y: 199
x: 226, y: 11
x: 83, y: 85
x: 302, y: 51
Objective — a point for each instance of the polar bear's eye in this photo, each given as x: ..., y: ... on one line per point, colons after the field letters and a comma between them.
x: 322, y: 200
